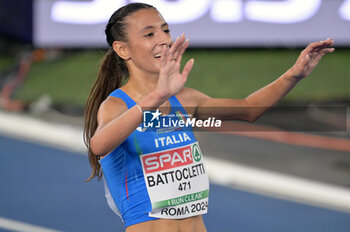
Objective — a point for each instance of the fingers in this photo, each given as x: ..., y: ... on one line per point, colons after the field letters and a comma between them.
x: 171, y: 53
x: 164, y: 55
x: 317, y: 46
x: 183, y: 49
x: 178, y: 48
x: 187, y: 69
x: 328, y: 50
x: 324, y: 43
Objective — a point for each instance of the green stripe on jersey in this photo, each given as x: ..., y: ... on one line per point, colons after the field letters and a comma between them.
x: 137, y: 146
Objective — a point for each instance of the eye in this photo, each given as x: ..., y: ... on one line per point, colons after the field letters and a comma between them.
x: 149, y: 34
x: 167, y: 31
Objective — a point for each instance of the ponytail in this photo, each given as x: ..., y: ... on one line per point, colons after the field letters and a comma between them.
x: 110, y: 77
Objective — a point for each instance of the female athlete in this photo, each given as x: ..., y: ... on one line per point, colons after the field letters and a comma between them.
x: 155, y: 179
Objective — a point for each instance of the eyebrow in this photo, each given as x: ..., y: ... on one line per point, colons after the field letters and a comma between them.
x: 151, y: 27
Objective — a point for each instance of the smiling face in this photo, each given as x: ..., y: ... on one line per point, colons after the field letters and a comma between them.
x: 147, y: 34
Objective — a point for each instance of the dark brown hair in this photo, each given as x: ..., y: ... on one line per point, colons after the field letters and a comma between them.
x: 111, y: 75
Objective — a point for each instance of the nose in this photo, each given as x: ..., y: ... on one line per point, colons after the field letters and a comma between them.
x: 165, y: 40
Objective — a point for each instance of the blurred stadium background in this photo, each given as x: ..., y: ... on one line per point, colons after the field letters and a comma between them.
x: 49, y: 58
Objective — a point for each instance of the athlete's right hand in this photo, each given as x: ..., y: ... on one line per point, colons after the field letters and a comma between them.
x: 171, y: 81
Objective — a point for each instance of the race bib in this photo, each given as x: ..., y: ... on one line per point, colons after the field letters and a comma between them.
x: 177, y: 182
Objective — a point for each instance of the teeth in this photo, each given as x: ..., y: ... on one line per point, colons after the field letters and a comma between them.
x: 157, y: 56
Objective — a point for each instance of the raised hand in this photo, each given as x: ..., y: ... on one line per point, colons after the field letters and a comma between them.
x: 310, y: 57
x: 171, y: 80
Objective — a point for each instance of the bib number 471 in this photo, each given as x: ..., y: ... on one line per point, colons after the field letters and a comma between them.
x: 185, y: 185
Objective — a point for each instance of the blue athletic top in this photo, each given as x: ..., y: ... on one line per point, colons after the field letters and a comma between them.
x: 158, y: 171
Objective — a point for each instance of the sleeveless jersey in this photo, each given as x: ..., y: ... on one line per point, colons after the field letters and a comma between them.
x: 156, y: 173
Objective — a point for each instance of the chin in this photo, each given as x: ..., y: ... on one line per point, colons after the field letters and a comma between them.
x: 156, y: 67
x: 154, y: 70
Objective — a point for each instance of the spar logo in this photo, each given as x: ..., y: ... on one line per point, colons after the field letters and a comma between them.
x: 172, y: 158
x: 167, y: 159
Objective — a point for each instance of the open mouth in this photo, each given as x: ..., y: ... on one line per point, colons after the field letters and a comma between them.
x: 158, y: 56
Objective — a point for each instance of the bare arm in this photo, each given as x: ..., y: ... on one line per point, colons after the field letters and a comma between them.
x: 116, y: 123
x: 253, y: 106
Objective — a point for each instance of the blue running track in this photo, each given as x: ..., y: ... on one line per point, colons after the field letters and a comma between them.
x: 45, y: 186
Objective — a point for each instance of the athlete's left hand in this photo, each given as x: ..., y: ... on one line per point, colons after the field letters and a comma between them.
x: 171, y: 79
x: 310, y: 57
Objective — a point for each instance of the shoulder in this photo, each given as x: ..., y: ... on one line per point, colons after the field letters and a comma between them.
x: 191, y: 97
x: 110, y: 108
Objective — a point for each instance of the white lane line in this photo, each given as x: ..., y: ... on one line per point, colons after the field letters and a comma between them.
x: 30, y: 128
x: 13, y: 225
x: 278, y: 185
x: 220, y: 171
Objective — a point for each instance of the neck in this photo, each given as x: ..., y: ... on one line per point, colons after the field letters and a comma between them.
x: 140, y: 84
